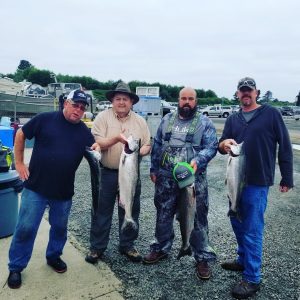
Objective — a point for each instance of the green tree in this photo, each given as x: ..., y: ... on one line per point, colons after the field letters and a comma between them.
x: 24, y: 64
x: 267, y: 97
x: 210, y: 94
x: 41, y: 77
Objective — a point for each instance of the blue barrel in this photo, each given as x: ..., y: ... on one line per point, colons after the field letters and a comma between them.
x: 9, y: 188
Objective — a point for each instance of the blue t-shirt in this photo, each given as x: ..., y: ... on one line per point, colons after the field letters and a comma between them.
x: 58, y: 150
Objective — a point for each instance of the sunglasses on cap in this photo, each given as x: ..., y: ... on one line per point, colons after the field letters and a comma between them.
x: 75, y: 105
x: 247, y: 83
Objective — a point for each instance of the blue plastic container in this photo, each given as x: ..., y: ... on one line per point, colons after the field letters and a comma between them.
x: 7, y: 136
x: 8, y: 203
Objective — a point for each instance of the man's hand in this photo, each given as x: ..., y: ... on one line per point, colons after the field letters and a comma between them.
x: 23, y: 171
x: 194, y: 165
x: 122, y: 138
x: 95, y: 147
x: 283, y: 188
x: 225, y: 146
x: 153, y: 178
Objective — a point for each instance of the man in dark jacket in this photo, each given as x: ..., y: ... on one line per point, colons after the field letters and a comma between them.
x: 261, y: 128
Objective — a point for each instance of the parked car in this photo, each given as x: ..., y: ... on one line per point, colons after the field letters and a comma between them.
x: 217, y: 111
x: 102, y: 105
x: 297, y: 114
x: 166, y: 107
x: 287, y: 111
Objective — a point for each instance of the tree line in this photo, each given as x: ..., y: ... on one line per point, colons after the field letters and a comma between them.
x: 26, y: 71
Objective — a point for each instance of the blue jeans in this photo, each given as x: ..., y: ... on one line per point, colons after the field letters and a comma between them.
x: 31, y: 212
x: 102, y: 219
x: 249, y: 232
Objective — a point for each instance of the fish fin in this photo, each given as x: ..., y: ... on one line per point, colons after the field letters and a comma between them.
x: 225, y: 181
x: 129, y: 223
x: 123, y: 161
x: 231, y: 213
x: 184, y: 252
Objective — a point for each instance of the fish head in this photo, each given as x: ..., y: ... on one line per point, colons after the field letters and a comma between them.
x: 235, y: 150
x: 132, y: 144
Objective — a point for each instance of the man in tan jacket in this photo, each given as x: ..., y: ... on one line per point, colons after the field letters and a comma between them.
x: 111, y: 128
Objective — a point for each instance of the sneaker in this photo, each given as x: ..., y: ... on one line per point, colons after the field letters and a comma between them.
x: 14, y: 280
x: 93, y: 257
x: 245, y: 289
x: 57, y: 264
x: 154, y: 257
x: 203, y: 270
x: 232, y: 265
x: 132, y: 254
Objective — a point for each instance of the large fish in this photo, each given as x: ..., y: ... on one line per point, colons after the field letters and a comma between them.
x: 186, y: 216
x: 235, y: 178
x: 93, y: 157
x: 128, y: 177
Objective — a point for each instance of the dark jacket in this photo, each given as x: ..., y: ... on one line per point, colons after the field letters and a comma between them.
x: 261, y: 135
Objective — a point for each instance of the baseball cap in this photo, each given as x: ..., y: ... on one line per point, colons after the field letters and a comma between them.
x: 78, y: 96
x: 247, y: 82
x: 183, y: 174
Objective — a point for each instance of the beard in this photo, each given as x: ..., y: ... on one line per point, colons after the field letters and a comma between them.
x: 186, y: 111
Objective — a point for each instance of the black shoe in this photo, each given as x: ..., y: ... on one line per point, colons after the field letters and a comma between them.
x: 57, y: 264
x: 14, y: 280
x: 154, y: 257
x: 232, y: 265
x: 93, y: 256
x: 245, y: 289
x: 203, y: 270
x: 132, y: 254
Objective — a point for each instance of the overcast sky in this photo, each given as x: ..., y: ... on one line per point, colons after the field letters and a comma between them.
x: 202, y: 44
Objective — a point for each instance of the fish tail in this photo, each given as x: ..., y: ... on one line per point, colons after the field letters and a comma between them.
x: 184, y: 252
x: 129, y: 223
x: 231, y: 213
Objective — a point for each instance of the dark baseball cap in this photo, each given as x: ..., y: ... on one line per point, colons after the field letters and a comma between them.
x: 78, y: 96
x: 247, y: 82
x: 183, y: 174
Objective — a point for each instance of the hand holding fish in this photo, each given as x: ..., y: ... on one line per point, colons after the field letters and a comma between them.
x: 194, y: 165
x: 95, y: 147
x: 225, y: 146
x: 122, y: 138
x: 153, y: 178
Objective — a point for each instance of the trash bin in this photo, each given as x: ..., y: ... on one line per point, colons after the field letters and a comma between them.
x: 10, y: 186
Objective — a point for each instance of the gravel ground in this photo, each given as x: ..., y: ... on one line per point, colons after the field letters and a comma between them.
x: 173, y: 279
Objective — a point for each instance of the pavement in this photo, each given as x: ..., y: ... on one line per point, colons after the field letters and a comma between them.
x: 39, y: 281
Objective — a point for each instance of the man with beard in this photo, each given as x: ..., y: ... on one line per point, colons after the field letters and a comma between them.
x: 261, y: 128
x: 186, y: 136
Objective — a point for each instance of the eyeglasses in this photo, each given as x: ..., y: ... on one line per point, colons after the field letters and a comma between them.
x: 247, y: 83
x: 82, y: 107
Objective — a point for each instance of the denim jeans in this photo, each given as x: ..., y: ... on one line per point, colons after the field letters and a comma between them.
x: 102, y: 219
x: 166, y: 197
x: 249, y: 231
x: 31, y: 212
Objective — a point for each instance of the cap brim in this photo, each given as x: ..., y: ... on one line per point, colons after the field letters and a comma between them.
x: 186, y: 182
x: 110, y: 94
x: 247, y: 86
x: 80, y: 100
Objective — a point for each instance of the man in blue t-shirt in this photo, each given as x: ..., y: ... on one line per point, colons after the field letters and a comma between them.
x: 60, y: 141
